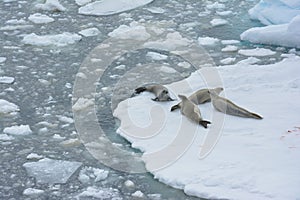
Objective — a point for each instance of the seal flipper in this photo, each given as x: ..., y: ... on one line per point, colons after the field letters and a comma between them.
x: 174, y: 107
x: 204, y: 123
x: 256, y: 116
x: 140, y: 89
x: 155, y: 99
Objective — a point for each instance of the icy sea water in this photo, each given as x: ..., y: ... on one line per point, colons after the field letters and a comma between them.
x: 42, y: 89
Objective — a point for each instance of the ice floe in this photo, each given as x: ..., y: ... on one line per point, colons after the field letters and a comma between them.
x: 6, y: 79
x: 253, y: 159
x: 51, y: 171
x: 2, y: 59
x: 33, y: 192
x: 18, y: 130
x: 82, y: 2
x: 59, y: 40
x: 89, y: 32
x: 218, y: 22
x: 133, y: 31
x: 256, y: 52
x: 101, y: 193
x: 50, y: 5
x: 91, y: 174
x: 108, y: 7
x: 39, y: 18
x: 7, y: 107
x: 208, y: 41
x: 5, y: 137
x: 156, y: 56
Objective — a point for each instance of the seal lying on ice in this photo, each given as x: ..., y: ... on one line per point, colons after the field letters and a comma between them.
x: 161, y: 92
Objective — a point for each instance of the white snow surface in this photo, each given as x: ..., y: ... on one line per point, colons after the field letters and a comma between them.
x: 39, y: 18
x: 108, y: 7
x: 253, y: 159
x: 59, y: 40
x: 7, y: 107
x: 18, y: 130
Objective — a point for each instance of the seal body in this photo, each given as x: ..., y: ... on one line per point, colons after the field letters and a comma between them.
x: 191, y: 111
x: 199, y: 97
x: 226, y: 106
x: 161, y: 92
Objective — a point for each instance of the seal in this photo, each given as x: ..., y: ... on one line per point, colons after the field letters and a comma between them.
x: 191, y: 111
x: 161, y: 92
x: 199, y: 97
x: 226, y: 106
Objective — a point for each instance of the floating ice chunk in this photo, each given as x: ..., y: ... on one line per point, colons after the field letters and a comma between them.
x: 156, y: 56
x: 51, y: 171
x: 284, y: 34
x: 65, y: 119
x: 32, y: 192
x: 51, y: 5
x: 82, y: 2
x: 71, y: 142
x: 60, y: 40
x: 101, y: 193
x: 215, y: 5
x: 134, y: 32
x: 249, y: 61
x: 167, y: 69
x: 15, y: 21
x: 138, y: 194
x: 15, y: 27
x: 18, y: 130
x: 155, y: 10
x: 7, y: 79
x: 218, y: 22
x: 173, y: 41
x: 2, y: 59
x: 129, y: 183
x: 58, y: 137
x: 275, y: 11
x: 108, y: 7
x: 5, y: 137
x: 208, y: 41
x: 88, y: 174
x: 89, y: 32
x: 7, y: 107
x: 34, y: 156
x: 82, y: 103
x: 256, y: 52
x: 227, y: 61
x: 224, y: 13
x: 39, y: 18
x: 229, y: 48
x: 227, y: 42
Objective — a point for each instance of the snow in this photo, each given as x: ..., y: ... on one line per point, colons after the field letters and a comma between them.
x: 283, y: 35
x: 134, y: 31
x: 208, y: 41
x: 89, y: 32
x: 18, y: 130
x: 33, y: 191
x: 156, y: 56
x: 256, y: 52
x: 39, y: 18
x: 50, y: 5
x: 218, y: 22
x: 253, y: 159
x: 6, y: 79
x: 7, y: 107
x: 51, y: 171
x: 59, y: 40
x: 108, y: 7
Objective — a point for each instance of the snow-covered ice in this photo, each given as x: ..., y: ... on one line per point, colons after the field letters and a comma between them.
x: 51, y: 5
x: 60, y: 40
x: 229, y: 48
x: 101, y: 193
x: 51, y: 171
x: 2, y: 59
x: 91, y: 174
x: 156, y: 56
x: 18, y: 130
x: 33, y: 192
x: 253, y: 159
x: 7, y: 79
x: 208, y: 41
x: 256, y: 52
x: 218, y: 22
x: 89, y: 32
x: 283, y: 34
x: 227, y: 61
x: 39, y: 18
x: 7, y: 107
x: 133, y: 31
x: 82, y: 2
x: 107, y: 7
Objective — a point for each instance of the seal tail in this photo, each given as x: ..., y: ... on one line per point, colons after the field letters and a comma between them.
x: 204, y: 123
x: 256, y: 116
x: 140, y: 89
x: 174, y: 107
